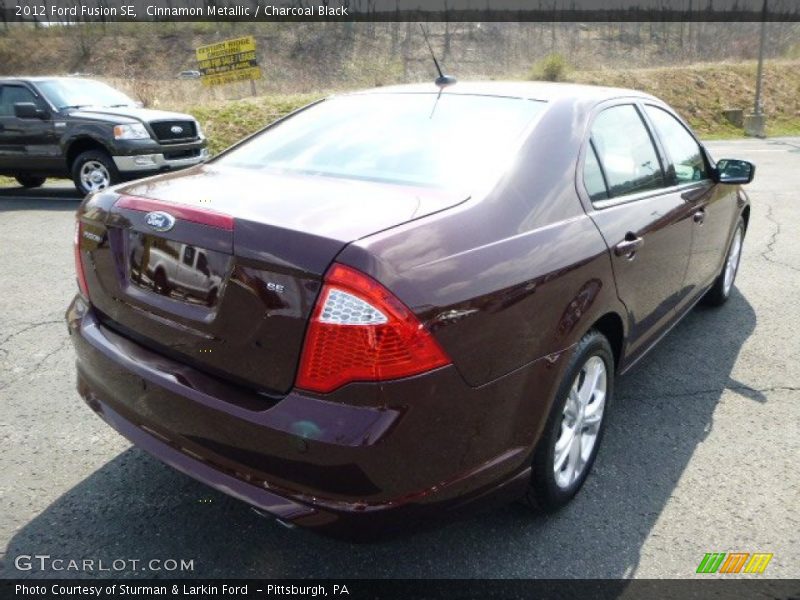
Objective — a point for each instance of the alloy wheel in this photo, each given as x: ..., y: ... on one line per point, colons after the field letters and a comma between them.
x: 580, y: 422
x: 732, y: 262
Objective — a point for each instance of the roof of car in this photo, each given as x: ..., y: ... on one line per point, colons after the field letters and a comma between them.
x: 8, y: 78
x: 533, y: 90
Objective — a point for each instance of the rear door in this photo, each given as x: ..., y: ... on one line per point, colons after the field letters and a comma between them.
x: 643, y: 218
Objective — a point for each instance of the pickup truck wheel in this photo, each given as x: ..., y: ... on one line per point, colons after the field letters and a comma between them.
x: 93, y: 171
x: 30, y: 181
x: 161, y: 283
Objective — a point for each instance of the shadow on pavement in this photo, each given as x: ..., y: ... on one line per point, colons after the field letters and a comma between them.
x: 62, y: 197
x: 136, y: 508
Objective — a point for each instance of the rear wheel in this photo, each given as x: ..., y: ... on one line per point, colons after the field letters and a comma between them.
x: 721, y: 290
x: 569, y: 444
x: 93, y: 171
x: 30, y: 181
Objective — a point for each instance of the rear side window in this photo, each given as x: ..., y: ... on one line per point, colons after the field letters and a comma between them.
x: 683, y: 149
x: 10, y: 95
x: 593, y: 176
x: 626, y: 152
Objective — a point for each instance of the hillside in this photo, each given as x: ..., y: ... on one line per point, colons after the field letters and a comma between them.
x: 700, y: 68
x: 699, y: 93
x: 305, y: 57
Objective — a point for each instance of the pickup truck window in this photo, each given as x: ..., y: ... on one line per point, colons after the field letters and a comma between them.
x: 188, y: 256
x: 10, y: 95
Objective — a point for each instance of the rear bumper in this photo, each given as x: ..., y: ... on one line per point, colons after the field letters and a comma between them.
x: 405, y: 451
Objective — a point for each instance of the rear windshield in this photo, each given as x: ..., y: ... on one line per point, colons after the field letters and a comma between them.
x: 416, y: 139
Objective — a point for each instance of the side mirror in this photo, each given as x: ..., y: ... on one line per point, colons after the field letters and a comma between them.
x: 730, y: 170
x: 28, y: 110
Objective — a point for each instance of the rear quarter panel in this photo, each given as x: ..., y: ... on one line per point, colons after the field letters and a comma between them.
x: 517, y: 274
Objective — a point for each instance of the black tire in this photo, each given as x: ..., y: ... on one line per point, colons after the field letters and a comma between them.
x: 94, y: 157
x: 545, y: 493
x: 161, y: 283
x: 30, y: 181
x: 211, y: 299
x: 719, y: 293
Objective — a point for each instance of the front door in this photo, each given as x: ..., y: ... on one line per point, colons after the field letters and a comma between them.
x: 26, y: 145
x: 714, y: 206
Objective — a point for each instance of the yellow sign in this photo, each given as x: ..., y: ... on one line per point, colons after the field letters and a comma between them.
x: 228, y: 61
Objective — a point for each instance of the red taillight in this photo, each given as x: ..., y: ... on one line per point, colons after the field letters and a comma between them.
x: 79, y: 271
x: 360, y: 332
x: 203, y: 216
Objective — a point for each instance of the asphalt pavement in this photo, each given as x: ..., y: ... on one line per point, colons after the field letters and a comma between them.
x: 700, y: 455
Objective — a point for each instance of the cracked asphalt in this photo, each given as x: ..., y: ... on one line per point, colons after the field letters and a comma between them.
x: 701, y: 452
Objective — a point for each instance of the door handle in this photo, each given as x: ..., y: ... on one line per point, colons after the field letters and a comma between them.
x: 629, y: 245
x: 699, y: 216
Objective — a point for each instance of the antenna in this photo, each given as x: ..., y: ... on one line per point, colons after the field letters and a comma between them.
x: 442, y: 80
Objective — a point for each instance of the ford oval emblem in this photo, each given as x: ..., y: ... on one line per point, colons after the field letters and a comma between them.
x: 176, y: 129
x: 159, y: 220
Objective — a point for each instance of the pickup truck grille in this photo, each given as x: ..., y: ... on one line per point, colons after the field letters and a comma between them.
x: 174, y: 131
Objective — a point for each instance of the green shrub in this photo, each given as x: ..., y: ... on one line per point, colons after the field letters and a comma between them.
x: 553, y: 67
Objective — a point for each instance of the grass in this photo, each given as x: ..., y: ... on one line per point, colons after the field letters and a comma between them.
x: 783, y: 128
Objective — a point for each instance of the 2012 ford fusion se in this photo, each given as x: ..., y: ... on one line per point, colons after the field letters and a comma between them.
x: 403, y: 303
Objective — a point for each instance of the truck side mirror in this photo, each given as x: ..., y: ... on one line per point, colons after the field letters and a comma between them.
x: 28, y: 110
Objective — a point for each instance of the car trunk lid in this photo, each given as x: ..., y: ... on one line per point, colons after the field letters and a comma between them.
x: 229, y: 285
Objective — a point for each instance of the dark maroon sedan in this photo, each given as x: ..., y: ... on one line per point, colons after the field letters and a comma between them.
x: 403, y: 302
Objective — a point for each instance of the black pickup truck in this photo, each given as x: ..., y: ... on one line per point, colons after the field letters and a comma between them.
x: 90, y: 132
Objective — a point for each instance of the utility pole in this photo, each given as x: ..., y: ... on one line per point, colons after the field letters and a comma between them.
x: 755, y: 124
x: 759, y: 73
